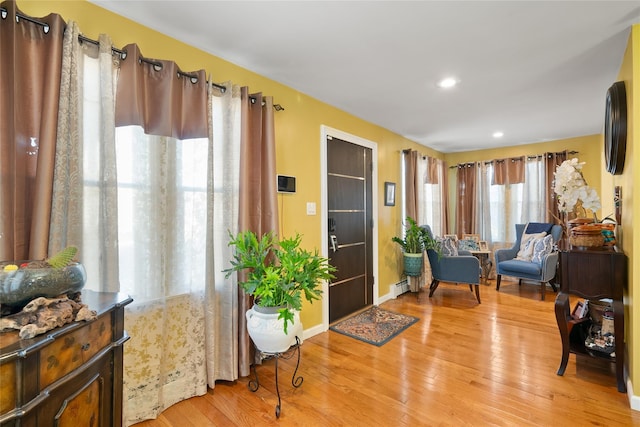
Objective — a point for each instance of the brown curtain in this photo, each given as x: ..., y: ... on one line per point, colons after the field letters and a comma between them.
x: 258, y: 209
x: 508, y: 171
x: 466, y: 212
x: 30, y: 84
x: 411, y: 183
x: 445, y: 197
x: 551, y: 161
x: 158, y: 96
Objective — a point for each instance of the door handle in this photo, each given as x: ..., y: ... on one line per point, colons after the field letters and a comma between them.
x: 334, y: 242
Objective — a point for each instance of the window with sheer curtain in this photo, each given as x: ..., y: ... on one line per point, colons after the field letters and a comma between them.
x: 162, y: 213
x: 501, y: 206
x: 431, y: 209
x: 155, y: 213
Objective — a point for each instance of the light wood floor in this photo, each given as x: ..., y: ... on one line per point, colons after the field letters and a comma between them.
x: 461, y: 364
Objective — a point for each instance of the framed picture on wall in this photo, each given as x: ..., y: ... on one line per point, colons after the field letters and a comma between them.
x: 389, y: 194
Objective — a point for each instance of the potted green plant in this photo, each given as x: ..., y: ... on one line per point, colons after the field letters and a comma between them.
x: 280, y: 274
x: 414, y: 242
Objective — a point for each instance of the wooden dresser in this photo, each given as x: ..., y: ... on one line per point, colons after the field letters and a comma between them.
x: 592, y: 274
x: 69, y: 376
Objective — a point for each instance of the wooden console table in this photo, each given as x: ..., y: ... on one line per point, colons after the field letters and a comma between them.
x: 71, y: 375
x: 592, y: 274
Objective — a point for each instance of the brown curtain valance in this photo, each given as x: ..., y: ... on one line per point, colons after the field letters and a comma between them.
x: 158, y: 96
x: 508, y: 171
x: 432, y: 171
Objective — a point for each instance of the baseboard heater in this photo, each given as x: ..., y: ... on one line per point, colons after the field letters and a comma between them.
x: 401, y: 287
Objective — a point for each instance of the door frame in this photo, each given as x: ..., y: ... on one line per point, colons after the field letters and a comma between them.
x: 326, y: 131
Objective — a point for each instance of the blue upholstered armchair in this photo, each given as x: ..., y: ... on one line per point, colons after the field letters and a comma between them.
x: 463, y: 268
x: 541, y: 270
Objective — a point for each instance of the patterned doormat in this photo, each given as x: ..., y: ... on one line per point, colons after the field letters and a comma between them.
x: 374, y: 326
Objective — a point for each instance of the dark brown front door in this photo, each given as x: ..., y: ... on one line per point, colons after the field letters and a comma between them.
x: 349, y: 176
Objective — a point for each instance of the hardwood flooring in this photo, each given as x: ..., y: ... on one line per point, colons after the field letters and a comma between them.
x: 492, y: 364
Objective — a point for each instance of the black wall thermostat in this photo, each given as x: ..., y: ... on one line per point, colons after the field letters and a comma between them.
x: 286, y: 184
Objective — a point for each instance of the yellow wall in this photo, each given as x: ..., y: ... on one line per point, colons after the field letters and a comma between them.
x: 630, y: 74
x: 297, y: 129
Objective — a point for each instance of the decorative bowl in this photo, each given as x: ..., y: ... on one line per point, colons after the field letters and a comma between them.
x: 18, y: 287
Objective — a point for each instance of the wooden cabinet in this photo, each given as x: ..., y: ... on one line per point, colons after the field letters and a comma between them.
x: 591, y: 274
x: 69, y: 376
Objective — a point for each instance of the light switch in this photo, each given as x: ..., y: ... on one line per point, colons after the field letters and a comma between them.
x: 311, y: 208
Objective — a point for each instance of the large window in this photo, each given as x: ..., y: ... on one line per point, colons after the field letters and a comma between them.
x: 162, y: 213
x: 503, y: 206
x: 431, y: 194
x: 430, y: 189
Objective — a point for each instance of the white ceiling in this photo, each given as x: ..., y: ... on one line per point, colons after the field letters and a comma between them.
x: 536, y: 70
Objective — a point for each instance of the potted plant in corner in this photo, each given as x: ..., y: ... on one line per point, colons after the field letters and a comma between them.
x: 279, y: 275
x: 414, y: 242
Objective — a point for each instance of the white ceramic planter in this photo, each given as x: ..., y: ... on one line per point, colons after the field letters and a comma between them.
x: 267, y: 331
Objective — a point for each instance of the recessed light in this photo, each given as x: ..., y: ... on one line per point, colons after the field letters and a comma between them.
x: 498, y: 134
x: 447, y: 83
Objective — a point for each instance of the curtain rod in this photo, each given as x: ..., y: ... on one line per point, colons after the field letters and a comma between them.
x: 528, y: 157
x: 408, y: 150
x: 276, y: 107
x: 45, y: 27
x: 123, y: 54
x: 158, y: 66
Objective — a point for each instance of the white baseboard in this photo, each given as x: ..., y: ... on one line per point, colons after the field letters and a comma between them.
x: 634, y: 401
x: 386, y: 297
x: 313, y: 331
x: 395, y: 290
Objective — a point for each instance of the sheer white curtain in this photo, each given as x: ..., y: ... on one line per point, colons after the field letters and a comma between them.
x: 84, y: 188
x: 534, y: 200
x: 489, y: 217
x: 155, y: 214
x: 224, y: 173
x: 162, y: 218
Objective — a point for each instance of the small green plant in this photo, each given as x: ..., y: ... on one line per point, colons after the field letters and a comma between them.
x: 279, y: 273
x: 63, y: 258
x: 415, y: 239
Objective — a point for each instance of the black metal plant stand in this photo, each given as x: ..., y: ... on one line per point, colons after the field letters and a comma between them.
x: 253, y: 385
